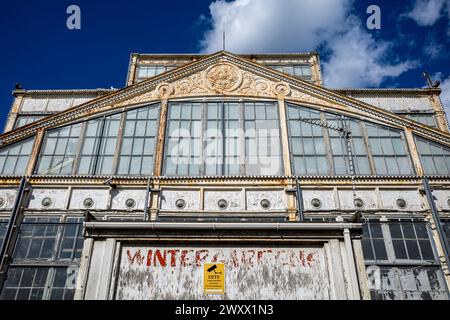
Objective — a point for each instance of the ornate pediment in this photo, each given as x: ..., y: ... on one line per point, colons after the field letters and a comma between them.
x: 222, y: 74
x: 224, y: 78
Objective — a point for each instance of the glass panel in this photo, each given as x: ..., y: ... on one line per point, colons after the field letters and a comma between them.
x: 58, y: 153
x: 306, y: 141
x: 14, y: 158
x: 140, y: 130
x: 301, y: 71
x: 389, y: 150
x: 435, y: 157
x: 23, y: 120
x: 194, y: 148
x: 39, y: 283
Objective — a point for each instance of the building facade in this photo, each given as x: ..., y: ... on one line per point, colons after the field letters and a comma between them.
x: 242, y: 162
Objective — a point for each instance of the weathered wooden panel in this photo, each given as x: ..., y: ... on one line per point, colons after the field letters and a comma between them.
x: 411, y: 197
x: 7, y: 198
x: 57, y: 197
x: 369, y: 198
x: 235, y: 201
x: 191, y: 199
x: 276, y: 198
x: 406, y: 283
x: 175, y: 272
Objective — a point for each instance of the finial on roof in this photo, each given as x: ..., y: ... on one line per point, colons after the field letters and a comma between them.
x: 18, y: 86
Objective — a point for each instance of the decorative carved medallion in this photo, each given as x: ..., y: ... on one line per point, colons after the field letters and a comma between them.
x: 281, y: 89
x: 223, y: 77
x: 164, y: 90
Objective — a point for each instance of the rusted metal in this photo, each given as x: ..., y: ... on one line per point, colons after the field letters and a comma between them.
x: 161, y: 138
x: 148, y: 193
x: 299, y: 197
x: 437, y: 221
x: 8, y: 242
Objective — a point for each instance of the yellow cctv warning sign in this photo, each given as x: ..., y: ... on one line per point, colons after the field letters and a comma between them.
x: 214, y: 278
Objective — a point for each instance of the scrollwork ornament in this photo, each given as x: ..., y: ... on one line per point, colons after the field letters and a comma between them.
x: 164, y: 90
x: 223, y: 77
x: 281, y: 89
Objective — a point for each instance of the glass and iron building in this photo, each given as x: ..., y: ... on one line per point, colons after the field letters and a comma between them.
x: 299, y: 191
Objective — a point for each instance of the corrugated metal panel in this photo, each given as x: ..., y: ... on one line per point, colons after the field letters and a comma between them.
x: 251, y: 272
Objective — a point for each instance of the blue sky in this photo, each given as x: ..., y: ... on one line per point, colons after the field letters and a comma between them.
x: 41, y: 53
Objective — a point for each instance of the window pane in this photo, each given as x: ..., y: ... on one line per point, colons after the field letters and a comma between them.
x: 139, y: 138
x: 15, y: 157
x: 435, y: 158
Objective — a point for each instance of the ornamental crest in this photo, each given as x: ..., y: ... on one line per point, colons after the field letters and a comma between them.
x: 223, y: 77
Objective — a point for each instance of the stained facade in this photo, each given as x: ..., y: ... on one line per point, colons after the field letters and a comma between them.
x: 301, y: 191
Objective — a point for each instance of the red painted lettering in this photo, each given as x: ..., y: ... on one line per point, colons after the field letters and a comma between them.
x: 185, y: 259
x: 149, y: 258
x: 137, y: 257
x: 198, y: 258
x: 160, y: 258
x: 173, y: 257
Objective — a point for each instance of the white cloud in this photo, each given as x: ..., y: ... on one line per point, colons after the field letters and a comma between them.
x: 426, y: 12
x: 357, y: 60
x: 433, y: 49
x: 255, y: 26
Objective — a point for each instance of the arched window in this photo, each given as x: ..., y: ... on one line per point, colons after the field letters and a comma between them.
x: 322, y: 143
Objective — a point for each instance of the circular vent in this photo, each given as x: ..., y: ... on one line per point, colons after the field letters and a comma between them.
x: 401, y: 203
x: 180, y: 203
x: 130, y: 203
x: 222, y: 203
x: 265, y: 204
x: 46, y: 202
x: 359, y: 203
x: 316, y: 203
x: 88, y: 202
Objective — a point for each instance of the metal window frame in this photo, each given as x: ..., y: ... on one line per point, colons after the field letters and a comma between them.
x: 221, y: 122
x: 392, y: 260
x: 55, y: 262
x: 431, y: 155
x: 20, y: 154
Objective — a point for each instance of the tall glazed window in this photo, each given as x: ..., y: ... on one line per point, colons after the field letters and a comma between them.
x: 389, y: 150
x: 99, y: 145
x: 307, y: 142
x: 46, y: 259
x: 59, y: 150
x: 122, y: 143
x: 139, y: 141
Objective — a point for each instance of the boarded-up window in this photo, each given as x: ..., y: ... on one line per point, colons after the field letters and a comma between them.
x: 400, y: 261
